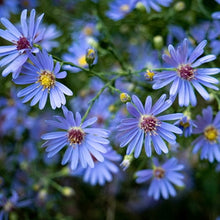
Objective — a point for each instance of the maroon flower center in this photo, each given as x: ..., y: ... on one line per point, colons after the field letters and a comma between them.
x: 23, y: 43
x: 159, y: 172
x: 1, y: 2
x: 186, y: 72
x: 75, y: 135
x: 149, y: 124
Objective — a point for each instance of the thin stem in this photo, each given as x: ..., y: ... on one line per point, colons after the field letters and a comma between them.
x: 108, y: 84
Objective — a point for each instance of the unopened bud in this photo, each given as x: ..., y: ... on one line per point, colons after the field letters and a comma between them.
x: 179, y: 6
x: 67, y: 191
x: 126, y: 162
x: 124, y: 97
x: 90, y: 56
x: 158, y: 42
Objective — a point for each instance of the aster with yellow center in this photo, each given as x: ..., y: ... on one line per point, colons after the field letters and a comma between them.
x: 42, y: 74
x: 208, y: 141
x: 211, y: 133
x: 186, y: 124
x: 120, y: 8
x: 82, y: 61
x: 47, y: 79
x: 125, y: 8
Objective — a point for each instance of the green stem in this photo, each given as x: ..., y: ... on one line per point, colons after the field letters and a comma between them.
x: 108, y: 84
x: 56, y: 186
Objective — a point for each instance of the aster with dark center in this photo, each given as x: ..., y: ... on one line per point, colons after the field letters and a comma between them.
x: 209, y: 139
x: 148, y: 127
x: 163, y: 178
x: 83, y: 143
x: 186, y: 74
x: 22, y: 40
x: 43, y: 75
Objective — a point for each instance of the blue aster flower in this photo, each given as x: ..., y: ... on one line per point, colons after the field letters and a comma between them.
x: 23, y: 42
x: 120, y: 8
x: 147, y: 126
x: 28, y: 3
x: 6, y: 7
x: 186, y: 125
x: 9, y: 204
x: 155, y: 4
x: 42, y: 76
x: 200, y: 31
x: 77, y: 55
x: 49, y: 34
x: 209, y: 139
x: 102, y: 172
x: 13, y: 114
x: 216, y: 15
x: 163, y: 178
x: 213, y: 36
x: 186, y: 74
x: 82, y: 142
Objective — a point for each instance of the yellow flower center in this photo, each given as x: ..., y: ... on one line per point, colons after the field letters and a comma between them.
x: 149, y: 75
x: 82, y: 60
x: 88, y: 31
x: 47, y: 79
x: 124, y: 8
x: 211, y: 133
x: 184, y: 124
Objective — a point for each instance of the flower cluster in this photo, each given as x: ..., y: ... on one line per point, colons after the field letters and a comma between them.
x: 107, y: 130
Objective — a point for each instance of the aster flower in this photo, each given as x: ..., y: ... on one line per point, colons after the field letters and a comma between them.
x: 120, y: 8
x: 155, y: 4
x: 6, y: 7
x: 213, y: 36
x: 102, y: 171
x: 82, y: 143
x: 49, y: 34
x: 163, y: 177
x: 147, y: 127
x: 8, y: 204
x: 209, y: 140
x: 186, y: 125
x: 77, y: 55
x: 13, y: 114
x: 42, y: 77
x: 186, y: 74
x: 23, y: 42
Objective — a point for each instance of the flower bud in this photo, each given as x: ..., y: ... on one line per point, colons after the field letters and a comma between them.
x: 67, y: 191
x: 126, y: 162
x: 124, y: 97
x: 179, y: 6
x: 90, y: 56
x: 158, y: 42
